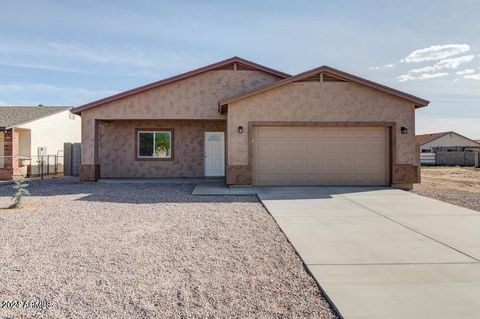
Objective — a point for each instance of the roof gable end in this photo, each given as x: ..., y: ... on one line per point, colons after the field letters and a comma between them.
x: 234, y: 63
x: 325, y: 74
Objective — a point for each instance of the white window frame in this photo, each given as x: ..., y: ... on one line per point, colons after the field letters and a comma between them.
x: 153, y: 156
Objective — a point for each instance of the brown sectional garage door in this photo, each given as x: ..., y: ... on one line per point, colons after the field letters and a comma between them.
x: 284, y: 155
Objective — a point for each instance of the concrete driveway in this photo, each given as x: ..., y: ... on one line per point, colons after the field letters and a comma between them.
x: 382, y: 252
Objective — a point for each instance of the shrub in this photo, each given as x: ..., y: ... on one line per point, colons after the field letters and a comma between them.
x: 21, y: 190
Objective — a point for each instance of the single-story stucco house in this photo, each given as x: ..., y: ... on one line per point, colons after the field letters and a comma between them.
x: 30, y: 134
x: 445, y: 141
x: 255, y: 126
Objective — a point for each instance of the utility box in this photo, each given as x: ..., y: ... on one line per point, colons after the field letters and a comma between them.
x: 41, y: 152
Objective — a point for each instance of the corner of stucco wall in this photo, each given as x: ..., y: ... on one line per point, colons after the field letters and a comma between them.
x: 88, y: 138
x: 237, y: 142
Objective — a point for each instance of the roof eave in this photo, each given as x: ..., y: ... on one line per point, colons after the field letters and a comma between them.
x: 418, y: 102
x: 79, y: 109
x: 36, y: 119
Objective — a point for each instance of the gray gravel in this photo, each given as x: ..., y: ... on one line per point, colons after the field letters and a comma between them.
x: 456, y: 185
x: 149, y: 251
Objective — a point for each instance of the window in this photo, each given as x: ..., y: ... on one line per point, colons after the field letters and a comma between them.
x: 153, y: 144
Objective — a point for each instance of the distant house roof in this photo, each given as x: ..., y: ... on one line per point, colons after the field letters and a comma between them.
x: 426, y: 138
x: 11, y: 116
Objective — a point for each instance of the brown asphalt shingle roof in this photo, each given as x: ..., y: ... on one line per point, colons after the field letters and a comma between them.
x: 425, y: 138
x: 11, y: 116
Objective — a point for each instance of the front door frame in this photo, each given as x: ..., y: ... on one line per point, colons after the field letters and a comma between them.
x: 205, y: 141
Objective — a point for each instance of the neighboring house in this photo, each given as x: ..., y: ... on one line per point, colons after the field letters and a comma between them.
x: 32, y: 133
x: 444, y: 141
x: 255, y: 125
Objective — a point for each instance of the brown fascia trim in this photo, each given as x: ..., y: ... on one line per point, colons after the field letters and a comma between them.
x: 178, y: 77
x: 419, y: 102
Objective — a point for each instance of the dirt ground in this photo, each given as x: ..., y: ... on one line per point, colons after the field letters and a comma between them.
x: 92, y: 250
x: 456, y: 185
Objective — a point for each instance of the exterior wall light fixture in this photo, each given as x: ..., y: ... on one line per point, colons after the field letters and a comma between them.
x: 404, y: 130
x: 240, y: 129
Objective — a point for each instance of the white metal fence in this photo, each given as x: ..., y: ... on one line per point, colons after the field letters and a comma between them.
x: 428, y: 158
x: 34, y: 165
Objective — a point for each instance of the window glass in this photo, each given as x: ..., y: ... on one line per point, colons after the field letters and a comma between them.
x: 163, y: 144
x: 156, y: 144
x: 214, y: 138
x: 145, y: 144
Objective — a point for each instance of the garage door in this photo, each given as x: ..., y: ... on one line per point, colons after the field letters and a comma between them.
x: 320, y: 156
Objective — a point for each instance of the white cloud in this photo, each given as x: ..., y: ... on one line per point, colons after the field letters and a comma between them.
x: 2, y: 103
x: 436, y: 52
x: 423, y: 70
x: 432, y: 75
x: 451, y: 63
x: 424, y: 76
x: 385, y: 66
x: 467, y: 71
x: 428, y: 72
x: 405, y: 77
x: 72, y: 95
x: 472, y: 76
x: 59, y: 56
x: 42, y: 67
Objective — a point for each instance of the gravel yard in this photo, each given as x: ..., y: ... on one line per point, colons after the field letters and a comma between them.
x: 149, y: 251
x: 456, y: 185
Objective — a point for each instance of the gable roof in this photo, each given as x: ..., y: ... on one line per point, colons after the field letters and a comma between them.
x: 11, y: 116
x: 426, y: 138
x: 332, y: 74
x: 235, y: 62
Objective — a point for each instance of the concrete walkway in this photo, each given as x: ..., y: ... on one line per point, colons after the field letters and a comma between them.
x: 381, y: 252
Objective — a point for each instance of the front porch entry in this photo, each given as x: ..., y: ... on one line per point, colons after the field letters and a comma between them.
x: 214, y: 154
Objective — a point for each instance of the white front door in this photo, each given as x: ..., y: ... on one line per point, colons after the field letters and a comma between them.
x: 214, y: 154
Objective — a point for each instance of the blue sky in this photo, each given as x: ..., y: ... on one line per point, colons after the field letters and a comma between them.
x: 72, y: 52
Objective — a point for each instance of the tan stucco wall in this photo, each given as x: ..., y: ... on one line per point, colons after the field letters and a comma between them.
x: 321, y: 102
x: 195, y: 97
x: 450, y: 139
x: 117, y: 148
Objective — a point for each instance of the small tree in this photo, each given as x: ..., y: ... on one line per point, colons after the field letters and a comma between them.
x: 21, y: 190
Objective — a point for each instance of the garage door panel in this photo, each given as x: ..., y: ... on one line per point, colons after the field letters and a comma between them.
x: 263, y: 148
x: 320, y: 156
x: 327, y: 148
